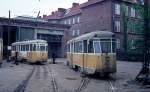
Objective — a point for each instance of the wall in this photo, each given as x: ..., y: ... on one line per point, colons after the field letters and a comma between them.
x: 96, y: 17
x: 25, y: 34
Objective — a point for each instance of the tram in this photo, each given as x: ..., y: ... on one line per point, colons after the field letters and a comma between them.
x: 92, y: 53
x: 32, y: 51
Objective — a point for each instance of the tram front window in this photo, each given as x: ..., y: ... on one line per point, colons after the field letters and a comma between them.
x: 105, y: 46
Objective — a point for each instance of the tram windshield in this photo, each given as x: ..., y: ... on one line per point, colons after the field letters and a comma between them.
x: 104, y: 46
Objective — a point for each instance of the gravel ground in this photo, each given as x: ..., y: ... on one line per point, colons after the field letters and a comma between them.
x: 67, y: 80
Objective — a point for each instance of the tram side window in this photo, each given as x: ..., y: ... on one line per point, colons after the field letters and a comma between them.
x: 21, y: 47
x: 13, y: 48
x: 85, y: 46
x: 113, y: 46
x: 72, y: 50
x: 90, y: 47
x: 24, y: 48
x: 42, y: 48
x: 18, y: 48
x: 27, y: 47
x: 46, y: 48
x: 78, y: 47
x: 105, y: 45
x: 31, y: 49
x: 34, y: 47
x: 97, y: 47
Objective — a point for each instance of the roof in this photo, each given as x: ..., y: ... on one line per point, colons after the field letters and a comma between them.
x: 90, y: 2
x: 73, y: 11
x: 100, y: 34
x: 69, y: 12
x: 29, y: 18
x: 30, y: 41
x: 54, y: 15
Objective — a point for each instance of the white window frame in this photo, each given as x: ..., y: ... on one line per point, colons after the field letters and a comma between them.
x: 73, y: 32
x: 78, y: 32
x: 117, y: 9
x: 73, y: 21
x: 69, y: 21
x: 99, y: 45
x: 132, y: 12
x: 65, y: 22
x: 78, y: 19
x: 117, y: 26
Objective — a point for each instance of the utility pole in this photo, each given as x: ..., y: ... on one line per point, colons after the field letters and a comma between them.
x: 144, y: 74
x: 125, y: 22
x: 8, y: 43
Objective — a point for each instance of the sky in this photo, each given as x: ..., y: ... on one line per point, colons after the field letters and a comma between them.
x: 32, y: 7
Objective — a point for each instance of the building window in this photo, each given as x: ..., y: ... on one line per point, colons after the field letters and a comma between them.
x: 118, y: 44
x: 73, y: 32
x: 117, y: 26
x: 73, y: 21
x: 133, y: 44
x: 132, y: 12
x: 65, y: 22
x: 127, y: 10
x: 78, y: 19
x: 69, y: 22
x: 117, y: 9
x: 78, y: 32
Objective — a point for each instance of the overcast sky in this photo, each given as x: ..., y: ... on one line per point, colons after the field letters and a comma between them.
x: 31, y: 7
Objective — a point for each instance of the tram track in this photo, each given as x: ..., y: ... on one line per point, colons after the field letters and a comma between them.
x: 38, y: 73
x: 84, y: 82
x: 111, y: 85
x: 53, y: 80
x: 23, y: 85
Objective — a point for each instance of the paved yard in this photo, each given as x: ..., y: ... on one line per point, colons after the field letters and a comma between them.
x: 60, y: 78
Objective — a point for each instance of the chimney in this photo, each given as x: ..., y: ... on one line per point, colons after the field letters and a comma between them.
x: 52, y: 12
x: 61, y: 11
x: 75, y: 4
x: 44, y: 16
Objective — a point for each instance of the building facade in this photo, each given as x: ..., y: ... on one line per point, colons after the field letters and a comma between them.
x: 122, y: 17
x: 27, y: 28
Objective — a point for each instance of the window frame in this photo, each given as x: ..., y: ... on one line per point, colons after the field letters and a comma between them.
x: 117, y: 26
x: 99, y: 46
x: 117, y: 10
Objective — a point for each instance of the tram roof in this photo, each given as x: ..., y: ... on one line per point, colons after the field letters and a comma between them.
x: 99, y: 34
x: 30, y: 41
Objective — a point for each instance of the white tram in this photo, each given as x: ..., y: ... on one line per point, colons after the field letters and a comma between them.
x: 32, y: 51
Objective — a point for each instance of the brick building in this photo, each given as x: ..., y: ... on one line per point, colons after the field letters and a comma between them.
x: 123, y: 17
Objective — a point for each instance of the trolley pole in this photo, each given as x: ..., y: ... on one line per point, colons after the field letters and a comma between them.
x: 144, y: 74
x: 8, y: 44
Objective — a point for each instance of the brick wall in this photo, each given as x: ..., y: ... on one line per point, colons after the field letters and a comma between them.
x: 96, y: 17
